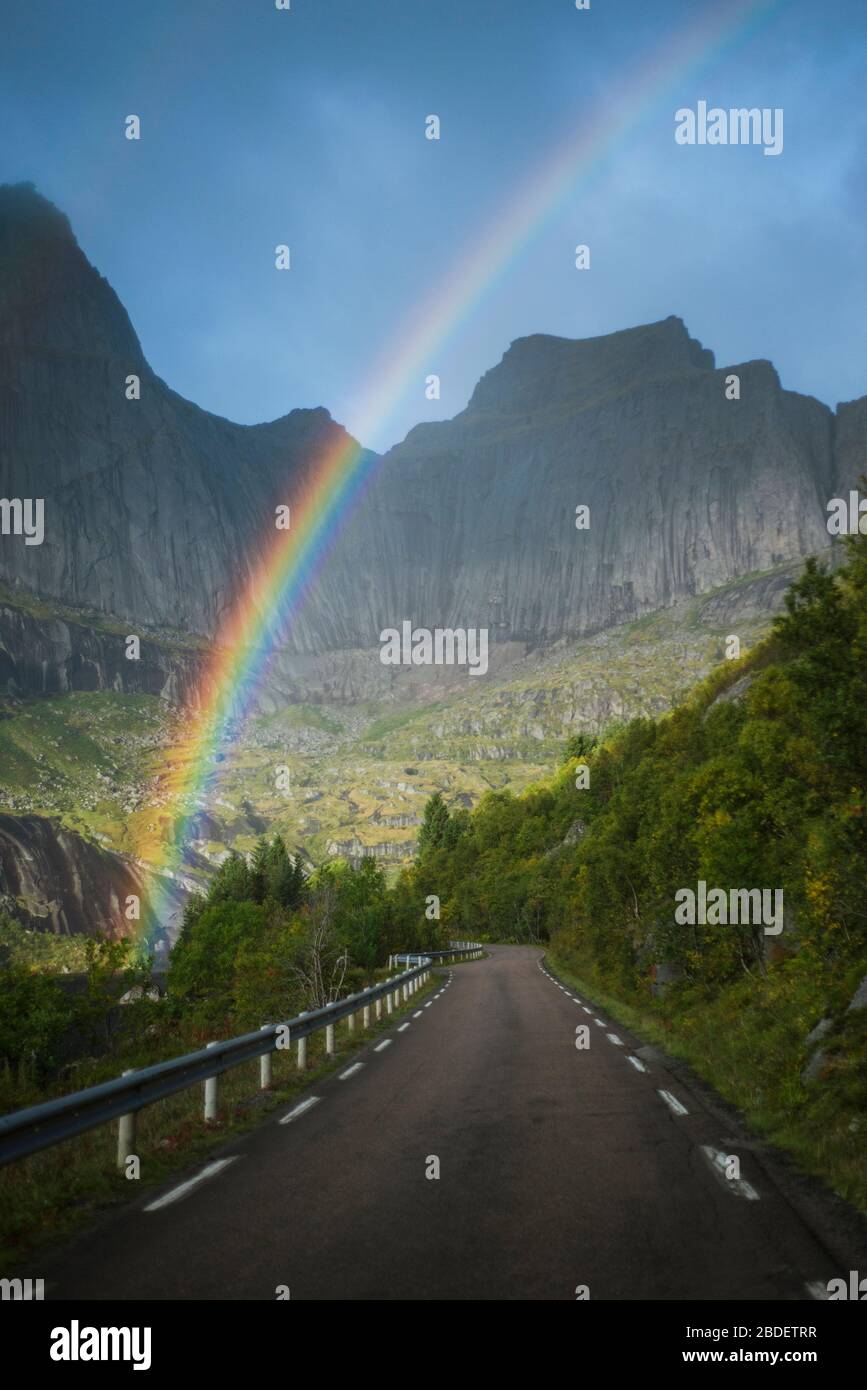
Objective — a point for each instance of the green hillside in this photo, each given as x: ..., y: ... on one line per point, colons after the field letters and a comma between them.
x: 359, y: 775
x: 756, y: 781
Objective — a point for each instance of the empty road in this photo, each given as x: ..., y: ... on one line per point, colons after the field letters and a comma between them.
x: 559, y: 1169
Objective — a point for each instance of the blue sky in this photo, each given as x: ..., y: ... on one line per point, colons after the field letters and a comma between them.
x: 307, y: 127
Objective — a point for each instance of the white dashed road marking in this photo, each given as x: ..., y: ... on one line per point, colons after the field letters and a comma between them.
x: 673, y: 1103
x: 719, y: 1162
x: 816, y: 1289
x: 299, y: 1109
x: 209, y: 1171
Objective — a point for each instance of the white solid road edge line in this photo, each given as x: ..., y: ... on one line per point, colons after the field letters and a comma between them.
x: 350, y: 1071
x: 673, y: 1103
x: 209, y: 1171
x: 299, y: 1110
x: 386, y: 1042
x: 639, y: 1066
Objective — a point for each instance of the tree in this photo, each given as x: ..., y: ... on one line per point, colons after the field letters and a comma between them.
x: 203, y: 965
x: 233, y: 881
x: 578, y: 746
x: 434, y: 825
x: 321, y: 960
x: 259, y: 866
x: 285, y: 878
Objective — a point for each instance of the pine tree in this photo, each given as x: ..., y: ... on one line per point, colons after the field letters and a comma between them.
x: 433, y: 828
x: 259, y: 871
x: 232, y: 882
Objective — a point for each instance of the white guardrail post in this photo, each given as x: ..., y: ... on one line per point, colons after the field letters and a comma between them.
x: 302, y: 1047
x: 126, y: 1132
x: 210, y: 1094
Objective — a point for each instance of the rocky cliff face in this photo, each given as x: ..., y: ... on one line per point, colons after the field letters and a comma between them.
x: 156, y: 511
x: 687, y: 490
x: 55, y: 880
x: 850, y: 452
x: 53, y: 655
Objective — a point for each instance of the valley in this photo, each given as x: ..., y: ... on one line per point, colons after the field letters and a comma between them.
x: 97, y: 762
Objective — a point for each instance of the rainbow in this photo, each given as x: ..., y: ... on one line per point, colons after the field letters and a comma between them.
x: 250, y: 636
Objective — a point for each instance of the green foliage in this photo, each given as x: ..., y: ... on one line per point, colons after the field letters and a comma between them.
x: 204, y: 966
x: 44, y: 1019
x: 271, y: 876
x: 432, y: 832
x: 112, y: 969
x: 36, y: 1016
x: 40, y: 950
x: 579, y: 746
x: 763, y: 790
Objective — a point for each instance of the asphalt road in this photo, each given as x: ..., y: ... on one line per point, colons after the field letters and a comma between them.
x: 558, y: 1168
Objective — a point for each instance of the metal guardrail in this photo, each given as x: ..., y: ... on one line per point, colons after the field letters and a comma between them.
x: 41, y: 1126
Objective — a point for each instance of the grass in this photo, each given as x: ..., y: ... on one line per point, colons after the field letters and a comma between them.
x: 302, y: 716
x: 390, y: 723
x: 47, y: 1197
x: 748, y: 1044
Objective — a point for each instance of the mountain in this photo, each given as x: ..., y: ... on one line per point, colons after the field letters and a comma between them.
x: 687, y: 490
x: 54, y: 880
x: 156, y: 511
x: 701, y: 509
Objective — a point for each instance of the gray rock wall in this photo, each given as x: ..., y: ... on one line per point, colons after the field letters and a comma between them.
x: 158, y: 512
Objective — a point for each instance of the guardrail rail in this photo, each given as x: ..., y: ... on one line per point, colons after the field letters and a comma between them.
x: 40, y: 1126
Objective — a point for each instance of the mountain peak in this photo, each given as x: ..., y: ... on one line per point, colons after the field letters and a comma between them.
x: 23, y: 207
x: 541, y: 370
x: 51, y: 297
